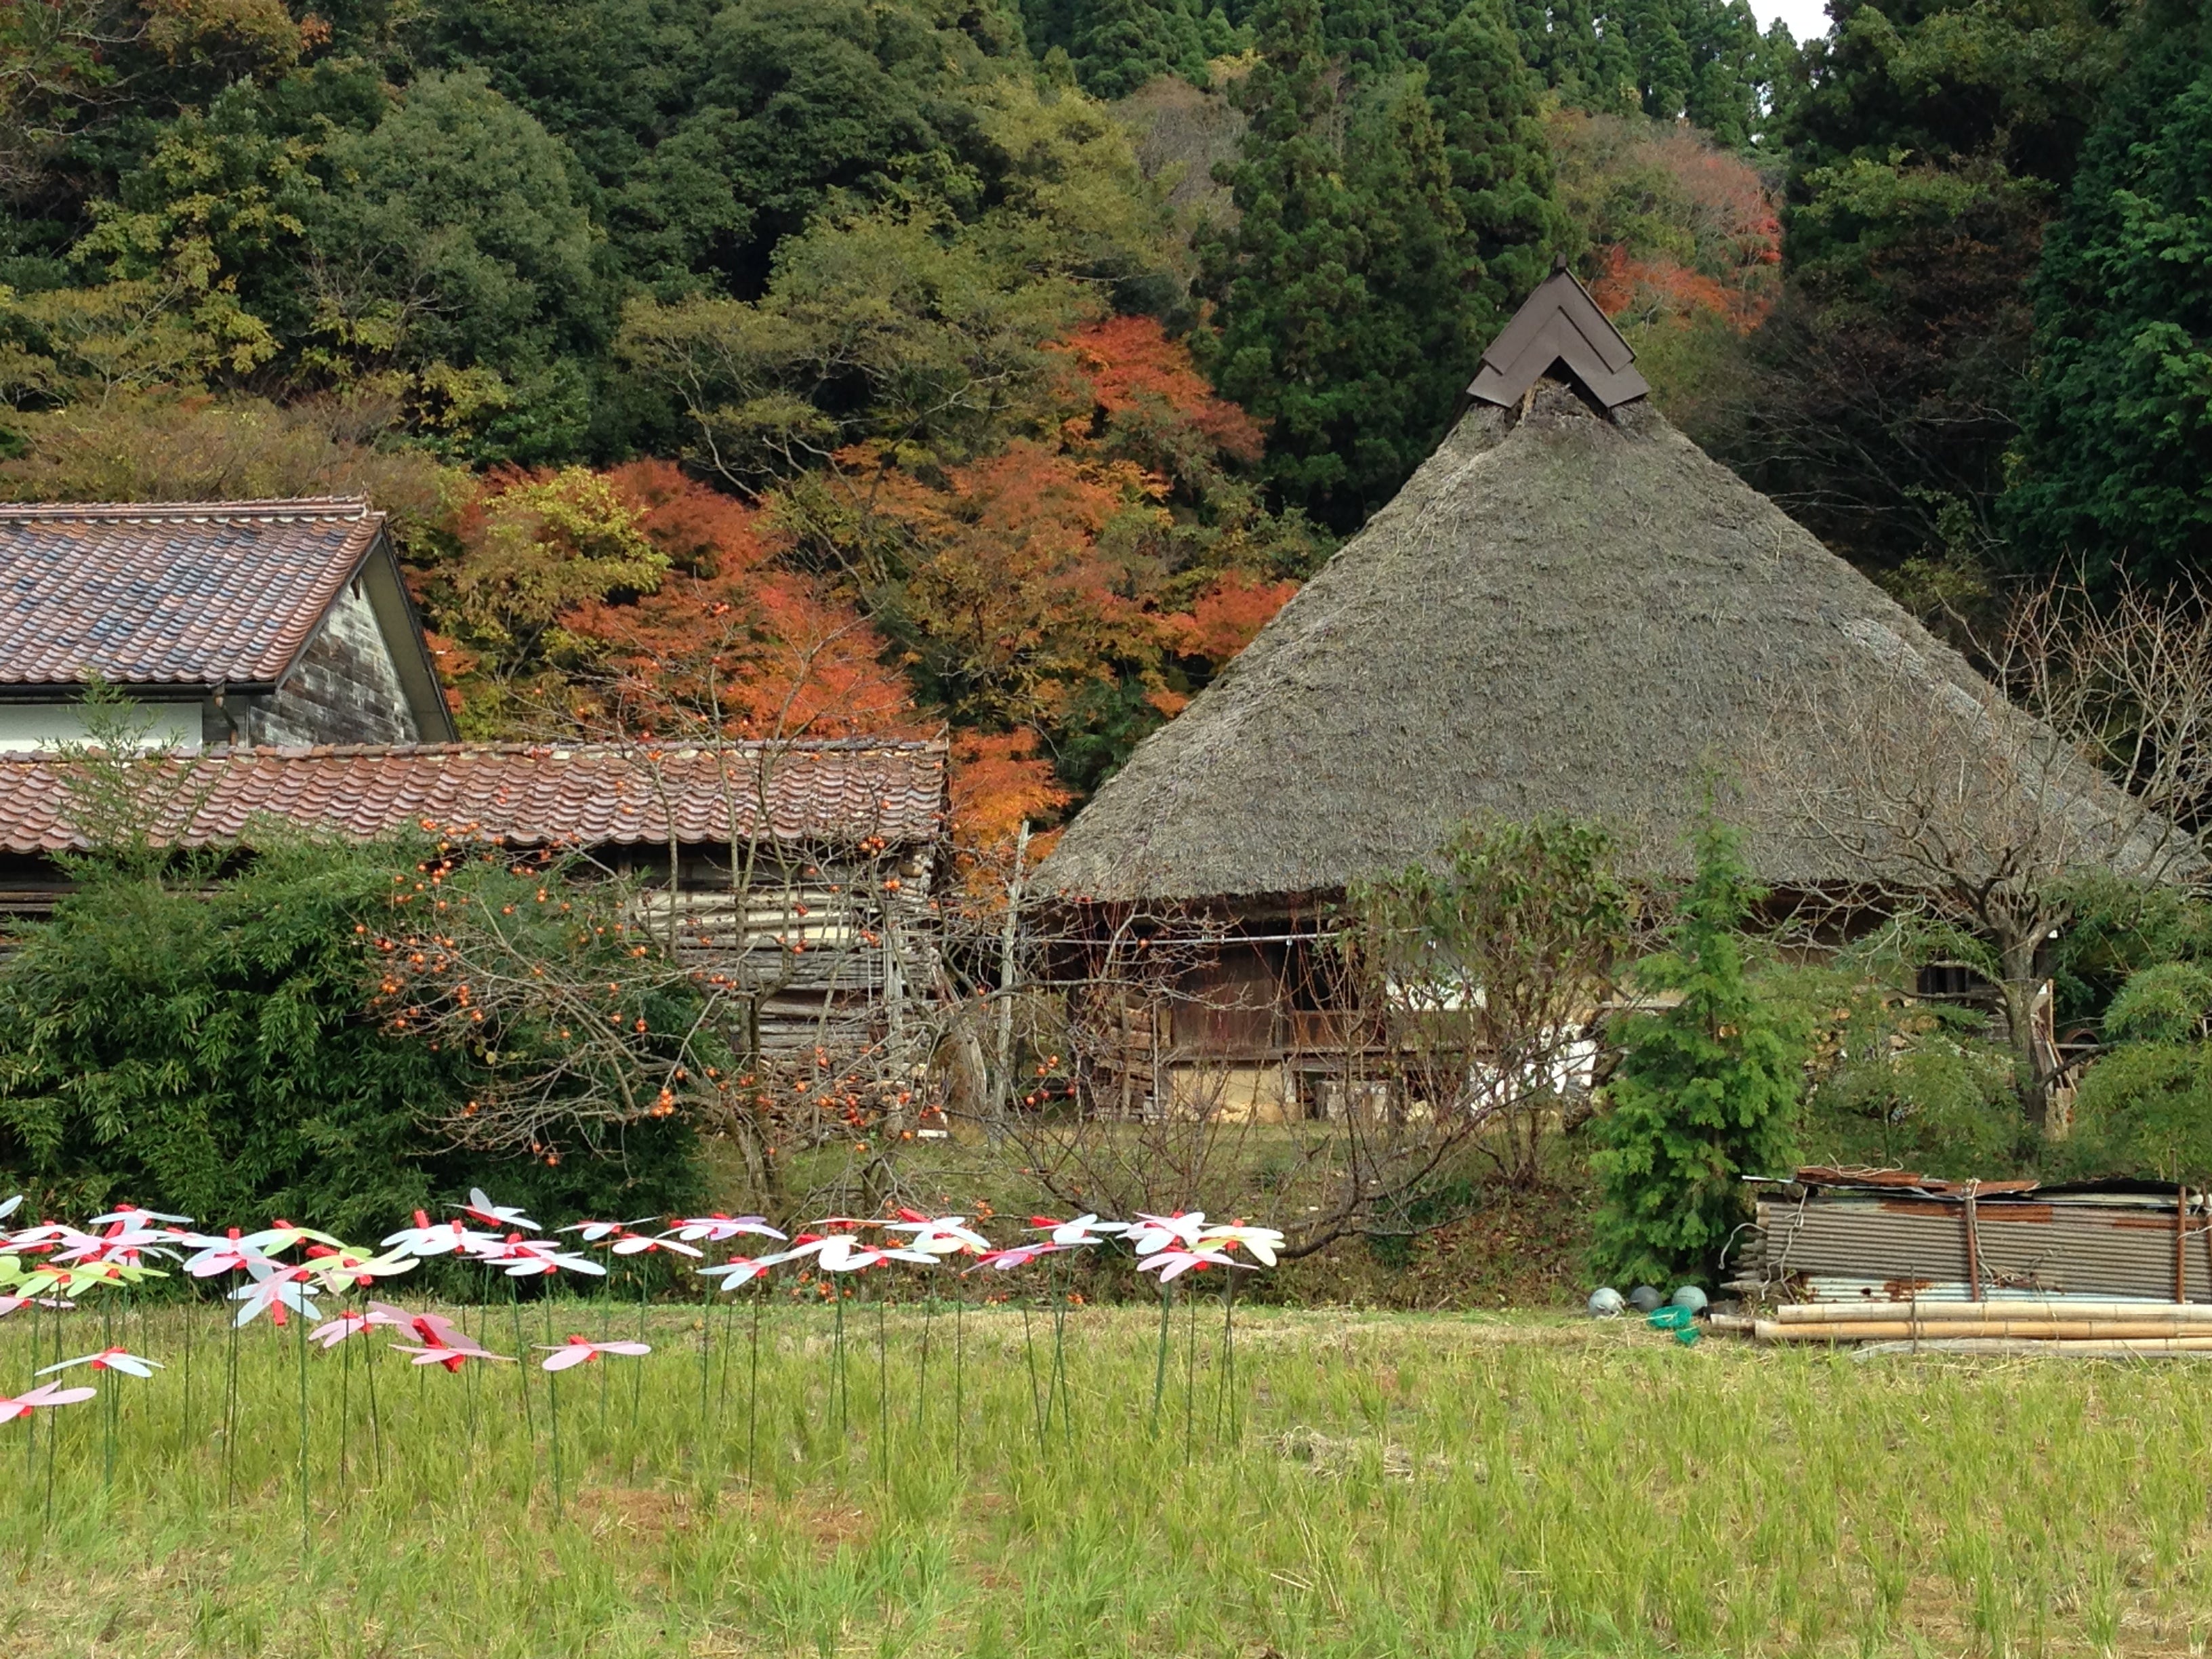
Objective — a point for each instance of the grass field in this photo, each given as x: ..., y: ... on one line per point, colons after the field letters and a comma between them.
x: 1378, y: 1485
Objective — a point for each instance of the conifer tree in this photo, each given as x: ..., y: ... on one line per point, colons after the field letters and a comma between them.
x: 2114, y: 468
x: 1706, y: 1093
x: 1119, y: 45
x: 1489, y: 104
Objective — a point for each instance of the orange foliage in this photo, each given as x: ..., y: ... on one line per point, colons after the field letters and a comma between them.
x: 999, y: 781
x: 743, y: 646
x: 1225, y: 618
x: 1130, y: 366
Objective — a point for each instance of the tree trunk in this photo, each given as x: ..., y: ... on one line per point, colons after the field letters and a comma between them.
x: 2020, y: 986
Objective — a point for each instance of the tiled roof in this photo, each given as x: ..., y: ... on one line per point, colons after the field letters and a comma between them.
x: 522, y: 795
x: 187, y: 594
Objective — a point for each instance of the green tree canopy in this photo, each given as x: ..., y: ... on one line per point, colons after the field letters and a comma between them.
x: 2114, y: 462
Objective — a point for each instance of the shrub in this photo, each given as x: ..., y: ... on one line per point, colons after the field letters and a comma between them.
x: 201, y: 1040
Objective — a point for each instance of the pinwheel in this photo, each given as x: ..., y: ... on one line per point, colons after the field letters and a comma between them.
x: 46, y: 1394
x: 525, y: 1258
x: 131, y: 1215
x: 738, y: 1271
x: 428, y: 1237
x: 581, y: 1350
x: 645, y: 1244
x: 121, y: 1244
x: 107, y: 1359
x: 597, y: 1232
x: 1016, y: 1255
x: 9, y: 1207
x: 1151, y: 1233
x: 1263, y: 1243
x: 336, y: 1267
x: 497, y: 1215
x: 276, y: 1286
x: 48, y: 1236
x: 229, y: 1254
x: 452, y: 1354
x: 352, y: 1322
x: 1083, y: 1229
x: 841, y: 1253
x: 283, y: 1236
x: 943, y: 1234
x: 720, y: 1229
x: 1173, y: 1264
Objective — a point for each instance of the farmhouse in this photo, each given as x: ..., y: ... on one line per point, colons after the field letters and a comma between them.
x: 250, y: 623
x: 1568, y: 609
x: 291, y: 690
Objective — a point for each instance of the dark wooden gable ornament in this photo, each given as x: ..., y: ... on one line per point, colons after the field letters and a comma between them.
x: 1560, y: 323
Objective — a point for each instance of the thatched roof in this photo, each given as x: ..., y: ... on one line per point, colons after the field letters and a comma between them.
x: 1565, y: 610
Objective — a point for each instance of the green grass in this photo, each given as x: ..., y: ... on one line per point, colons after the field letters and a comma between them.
x: 1363, y: 1484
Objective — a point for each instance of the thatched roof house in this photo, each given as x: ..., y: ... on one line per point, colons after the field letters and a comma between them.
x: 1569, y: 609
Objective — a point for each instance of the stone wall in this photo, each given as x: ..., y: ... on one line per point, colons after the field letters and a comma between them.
x: 346, y: 688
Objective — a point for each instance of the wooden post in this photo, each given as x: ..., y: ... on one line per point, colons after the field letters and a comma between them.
x: 1002, y: 1087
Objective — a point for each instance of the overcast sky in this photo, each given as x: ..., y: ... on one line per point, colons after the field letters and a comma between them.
x: 1805, y: 18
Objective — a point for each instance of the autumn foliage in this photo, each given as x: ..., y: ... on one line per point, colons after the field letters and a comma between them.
x: 1090, y: 572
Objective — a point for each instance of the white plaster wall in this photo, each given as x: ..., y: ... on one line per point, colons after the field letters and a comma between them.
x: 33, y: 725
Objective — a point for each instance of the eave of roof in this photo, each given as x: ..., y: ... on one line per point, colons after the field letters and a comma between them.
x: 515, y: 794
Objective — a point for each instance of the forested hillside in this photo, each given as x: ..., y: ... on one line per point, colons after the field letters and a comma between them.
x: 1002, y: 365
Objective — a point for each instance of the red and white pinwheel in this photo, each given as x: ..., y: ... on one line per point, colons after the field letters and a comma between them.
x: 597, y: 1232
x: 107, y: 1359
x: 581, y: 1350
x: 524, y: 1258
x: 276, y: 1286
x: 352, y: 1322
x: 229, y: 1254
x: 497, y: 1215
x: 1262, y: 1242
x: 131, y: 1215
x: 46, y: 1394
x: 428, y: 1237
x: 443, y: 1342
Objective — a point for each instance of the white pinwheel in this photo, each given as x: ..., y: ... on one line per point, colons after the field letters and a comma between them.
x: 1149, y: 1234
x: 1262, y: 1242
x: 1083, y: 1229
x: 427, y: 1237
x: 738, y: 1271
x: 720, y: 1229
x: 940, y: 1235
x: 133, y: 1216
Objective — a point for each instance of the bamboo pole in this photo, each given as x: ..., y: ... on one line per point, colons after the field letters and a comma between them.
x: 2029, y: 1329
x: 1838, y: 1313
x: 2019, y: 1346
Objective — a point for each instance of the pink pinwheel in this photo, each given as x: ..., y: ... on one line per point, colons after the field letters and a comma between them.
x: 121, y: 1244
x: 352, y: 1323
x: 1083, y: 1229
x: 1151, y: 1233
x: 49, y: 1394
x: 738, y: 1271
x: 228, y: 1254
x: 720, y: 1229
x: 1016, y: 1255
x: 497, y: 1215
x: 1174, y: 1264
x: 47, y: 1237
x: 444, y: 1343
x: 581, y: 1351
x: 107, y: 1359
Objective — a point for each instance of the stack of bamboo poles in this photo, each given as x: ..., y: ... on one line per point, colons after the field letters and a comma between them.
x: 2007, y: 1325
